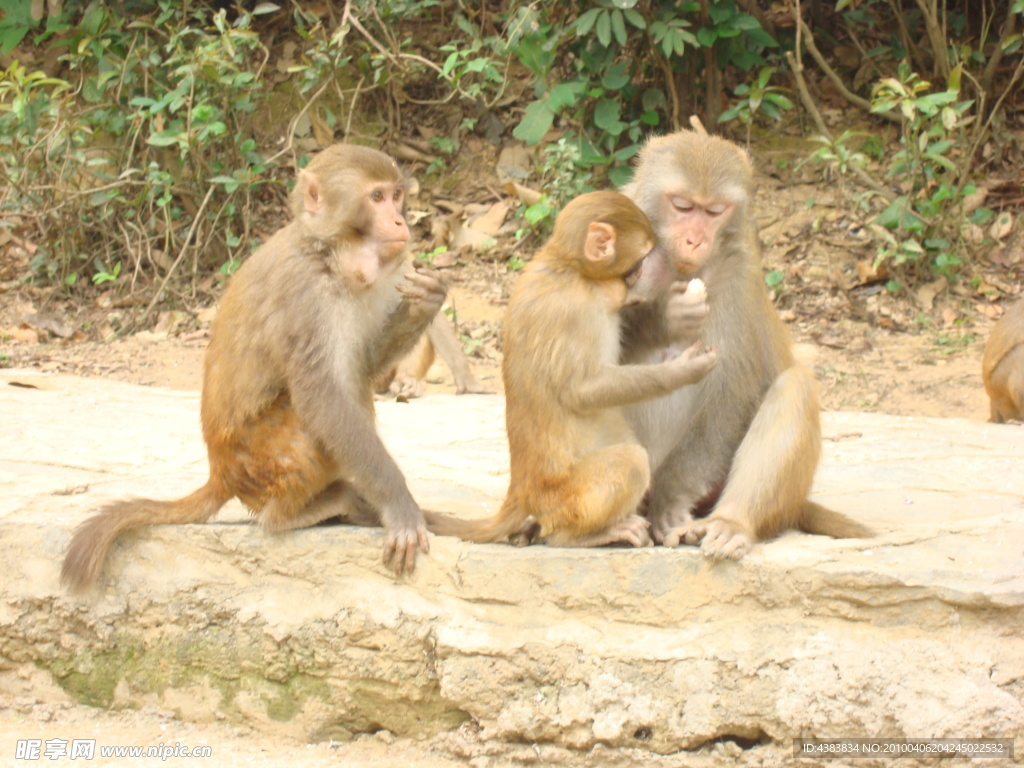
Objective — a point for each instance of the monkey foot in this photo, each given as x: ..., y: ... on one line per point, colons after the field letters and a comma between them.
x: 633, y: 529
x: 666, y: 522
x: 630, y: 530
x: 400, y: 548
x: 720, y: 539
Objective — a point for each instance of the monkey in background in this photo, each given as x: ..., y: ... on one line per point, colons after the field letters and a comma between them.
x: 408, y: 378
x: 744, y: 441
x: 1002, y: 366
x: 578, y: 473
x: 306, y: 325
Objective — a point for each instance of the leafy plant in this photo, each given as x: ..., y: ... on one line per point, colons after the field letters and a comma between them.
x: 152, y: 157
x: 757, y: 98
x: 622, y: 58
x: 917, y: 226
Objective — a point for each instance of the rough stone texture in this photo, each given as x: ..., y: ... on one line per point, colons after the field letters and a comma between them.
x: 917, y: 633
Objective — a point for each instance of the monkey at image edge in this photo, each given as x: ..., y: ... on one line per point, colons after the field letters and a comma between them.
x: 320, y: 312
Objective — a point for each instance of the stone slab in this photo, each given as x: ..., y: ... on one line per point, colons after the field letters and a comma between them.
x: 916, y: 633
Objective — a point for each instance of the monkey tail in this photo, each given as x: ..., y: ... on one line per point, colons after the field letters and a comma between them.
x: 815, y: 518
x: 510, y: 520
x: 94, y: 538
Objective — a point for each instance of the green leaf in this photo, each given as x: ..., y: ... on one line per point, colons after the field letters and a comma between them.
x: 585, y: 23
x: 620, y: 175
x: 981, y: 215
x: 565, y: 94
x: 616, y: 77
x: 606, y: 114
x: 635, y: 18
x: 626, y: 153
x: 163, y: 139
x: 449, y: 63
x: 774, y: 278
x: 537, y: 121
x: 778, y: 99
x: 707, y: 36
x: 262, y: 8
x: 899, y: 216
x: 761, y: 37
x: 619, y: 27
x: 604, y: 29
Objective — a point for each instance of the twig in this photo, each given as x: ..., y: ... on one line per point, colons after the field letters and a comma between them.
x: 832, y: 75
x: 936, y: 36
x: 181, y: 253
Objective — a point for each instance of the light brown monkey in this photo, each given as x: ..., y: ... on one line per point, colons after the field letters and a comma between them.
x: 576, y: 467
x: 745, y: 441
x: 304, y: 328
x: 407, y: 379
x: 1002, y: 366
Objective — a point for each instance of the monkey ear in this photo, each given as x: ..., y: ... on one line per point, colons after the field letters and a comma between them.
x: 312, y: 199
x: 600, y: 245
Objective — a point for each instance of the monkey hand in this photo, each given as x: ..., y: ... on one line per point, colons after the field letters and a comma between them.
x: 686, y: 312
x: 423, y: 292
x: 720, y: 538
x: 693, y: 363
x: 400, y: 546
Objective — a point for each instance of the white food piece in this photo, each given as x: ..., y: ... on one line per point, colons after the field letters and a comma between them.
x: 696, y: 289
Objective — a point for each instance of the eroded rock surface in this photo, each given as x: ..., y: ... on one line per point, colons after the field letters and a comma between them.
x: 916, y: 633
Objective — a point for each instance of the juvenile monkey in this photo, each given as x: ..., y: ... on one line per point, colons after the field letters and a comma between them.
x: 407, y: 379
x: 576, y: 468
x: 744, y: 442
x: 304, y: 328
x: 1002, y: 366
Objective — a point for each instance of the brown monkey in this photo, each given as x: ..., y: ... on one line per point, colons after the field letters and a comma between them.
x: 745, y: 441
x: 1002, y: 366
x: 407, y: 378
x: 576, y: 468
x: 305, y: 326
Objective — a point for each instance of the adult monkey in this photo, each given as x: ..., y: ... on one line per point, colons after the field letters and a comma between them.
x: 743, y: 442
x: 307, y: 324
x: 577, y: 472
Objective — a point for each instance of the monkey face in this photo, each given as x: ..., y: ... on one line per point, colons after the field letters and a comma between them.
x: 385, y: 203
x: 691, y: 225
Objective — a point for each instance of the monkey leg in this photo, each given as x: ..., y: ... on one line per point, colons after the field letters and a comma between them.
x: 280, y: 472
x: 1005, y: 387
x: 339, y: 499
x: 597, y: 504
x: 771, y: 472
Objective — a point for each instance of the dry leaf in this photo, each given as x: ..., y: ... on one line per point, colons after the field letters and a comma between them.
x: 444, y: 259
x: 949, y: 316
x: 526, y: 195
x: 974, y: 201
x: 491, y: 221
x: 1002, y: 226
x: 926, y: 294
x: 20, y: 333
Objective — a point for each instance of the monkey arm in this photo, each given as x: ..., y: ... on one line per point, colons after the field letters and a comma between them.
x: 399, y: 337
x: 643, y: 330
x: 324, y: 398
x: 621, y: 385
x: 330, y: 394
x: 423, y: 293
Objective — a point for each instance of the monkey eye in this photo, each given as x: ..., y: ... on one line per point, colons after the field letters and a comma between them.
x: 681, y: 204
x: 397, y: 197
x: 377, y: 196
x: 718, y: 209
